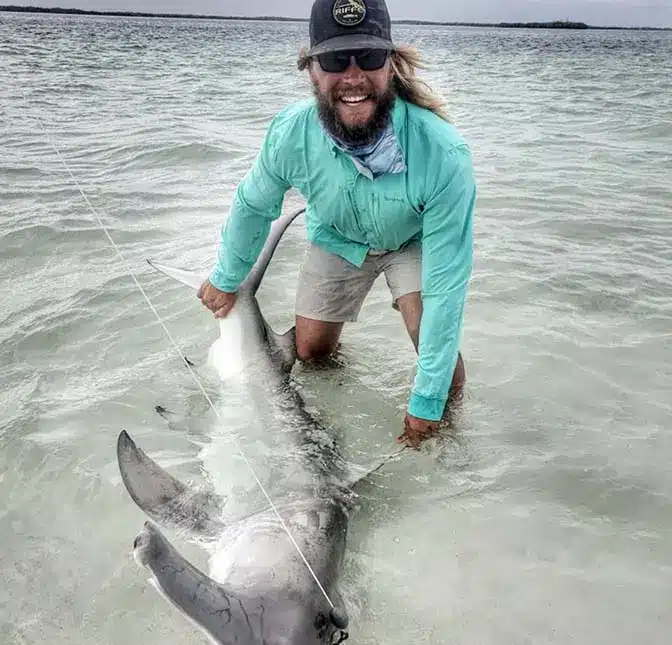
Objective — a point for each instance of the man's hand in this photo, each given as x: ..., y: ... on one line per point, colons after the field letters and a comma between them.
x: 417, y: 430
x: 219, y: 302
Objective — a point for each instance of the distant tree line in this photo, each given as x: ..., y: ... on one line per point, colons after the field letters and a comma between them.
x: 555, y: 24
x: 135, y: 14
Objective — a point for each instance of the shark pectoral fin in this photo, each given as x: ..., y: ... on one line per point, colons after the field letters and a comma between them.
x: 283, y: 346
x: 164, y: 498
x: 209, y: 605
x: 190, y: 278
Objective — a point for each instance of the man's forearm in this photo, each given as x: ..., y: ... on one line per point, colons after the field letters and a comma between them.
x: 439, y: 344
x: 242, y: 237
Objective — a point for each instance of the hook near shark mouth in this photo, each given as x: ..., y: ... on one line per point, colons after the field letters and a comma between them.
x: 274, y: 574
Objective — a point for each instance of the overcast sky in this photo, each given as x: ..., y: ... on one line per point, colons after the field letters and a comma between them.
x: 635, y: 13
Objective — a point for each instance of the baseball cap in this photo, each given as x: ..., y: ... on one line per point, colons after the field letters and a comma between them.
x: 340, y: 25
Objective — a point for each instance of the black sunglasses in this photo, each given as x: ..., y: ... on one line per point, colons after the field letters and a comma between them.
x: 367, y: 60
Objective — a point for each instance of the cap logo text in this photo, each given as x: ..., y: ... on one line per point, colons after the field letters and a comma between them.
x: 349, y: 13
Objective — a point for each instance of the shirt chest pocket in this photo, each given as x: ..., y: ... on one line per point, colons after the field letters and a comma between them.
x: 332, y: 201
x: 374, y: 212
x: 392, y: 218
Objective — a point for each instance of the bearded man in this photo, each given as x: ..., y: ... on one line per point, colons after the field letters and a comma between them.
x: 389, y: 188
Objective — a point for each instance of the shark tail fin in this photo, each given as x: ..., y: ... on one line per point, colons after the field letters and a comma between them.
x: 253, y: 280
x: 163, y: 497
x: 278, y: 229
x: 190, y: 278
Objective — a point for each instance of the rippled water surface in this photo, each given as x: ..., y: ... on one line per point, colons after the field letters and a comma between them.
x: 546, y: 519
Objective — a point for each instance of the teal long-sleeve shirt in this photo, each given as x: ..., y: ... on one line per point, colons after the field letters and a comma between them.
x: 349, y: 213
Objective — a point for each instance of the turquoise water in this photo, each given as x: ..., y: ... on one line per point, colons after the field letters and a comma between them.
x: 546, y: 519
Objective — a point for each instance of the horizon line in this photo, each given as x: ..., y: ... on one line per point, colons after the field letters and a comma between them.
x: 535, y: 24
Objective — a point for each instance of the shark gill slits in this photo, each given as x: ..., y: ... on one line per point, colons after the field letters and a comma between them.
x: 320, y: 621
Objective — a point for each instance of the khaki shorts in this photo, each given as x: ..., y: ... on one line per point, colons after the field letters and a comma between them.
x: 331, y: 289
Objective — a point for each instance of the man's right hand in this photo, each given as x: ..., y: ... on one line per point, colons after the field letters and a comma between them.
x: 219, y: 302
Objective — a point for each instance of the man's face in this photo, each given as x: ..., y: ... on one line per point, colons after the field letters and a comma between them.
x: 354, y: 104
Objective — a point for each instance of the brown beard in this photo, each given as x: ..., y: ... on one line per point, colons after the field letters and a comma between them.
x: 357, y: 135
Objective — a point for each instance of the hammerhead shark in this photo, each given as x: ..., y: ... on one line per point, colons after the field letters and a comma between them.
x: 260, y: 589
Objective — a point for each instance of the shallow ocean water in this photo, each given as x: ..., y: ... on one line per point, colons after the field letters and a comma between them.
x: 547, y: 518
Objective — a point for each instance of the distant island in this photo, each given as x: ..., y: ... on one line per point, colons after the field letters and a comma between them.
x: 555, y: 24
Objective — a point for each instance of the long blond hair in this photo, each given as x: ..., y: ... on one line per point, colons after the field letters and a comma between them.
x: 405, y: 60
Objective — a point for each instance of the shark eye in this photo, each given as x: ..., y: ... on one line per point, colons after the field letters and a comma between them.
x: 341, y: 636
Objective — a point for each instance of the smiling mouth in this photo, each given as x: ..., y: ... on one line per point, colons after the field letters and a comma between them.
x: 355, y: 99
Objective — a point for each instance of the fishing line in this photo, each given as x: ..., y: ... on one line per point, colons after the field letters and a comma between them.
x: 131, y: 274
